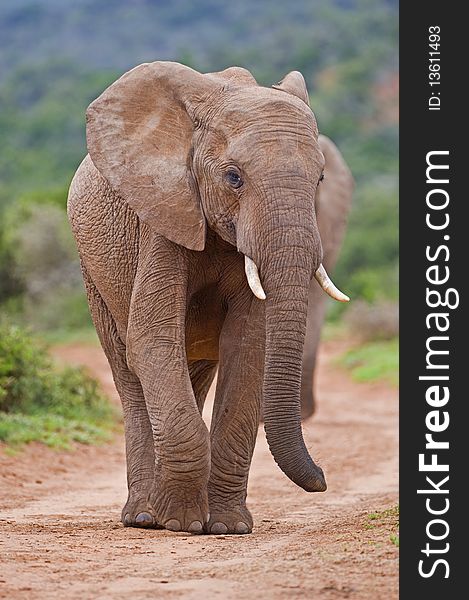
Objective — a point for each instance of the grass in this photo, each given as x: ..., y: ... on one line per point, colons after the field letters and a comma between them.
x: 333, y: 330
x: 388, y: 518
x: 392, y: 512
x: 41, y: 403
x: 85, y: 335
x: 373, y: 361
x: 53, y: 430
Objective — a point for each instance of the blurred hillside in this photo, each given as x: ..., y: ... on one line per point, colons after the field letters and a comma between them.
x: 56, y: 56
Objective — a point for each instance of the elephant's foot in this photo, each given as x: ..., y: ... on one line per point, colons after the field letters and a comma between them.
x: 139, y: 512
x: 180, y: 514
x: 229, y: 520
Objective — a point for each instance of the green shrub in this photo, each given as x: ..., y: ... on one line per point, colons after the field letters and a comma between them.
x: 42, y: 248
x: 39, y: 402
x: 373, y: 322
x: 368, y: 262
x: 41, y: 257
x: 10, y: 286
x: 58, y: 310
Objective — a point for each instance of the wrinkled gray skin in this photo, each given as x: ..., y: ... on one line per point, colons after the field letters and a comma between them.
x: 333, y: 202
x: 186, y: 173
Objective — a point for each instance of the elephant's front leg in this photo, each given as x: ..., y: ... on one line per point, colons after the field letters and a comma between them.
x: 236, y: 415
x: 156, y: 353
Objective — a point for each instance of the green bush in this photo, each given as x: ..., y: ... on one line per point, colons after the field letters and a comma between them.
x: 39, y: 402
x: 41, y: 258
x: 347, y: 52
x: 373, y: 322
x: 368, y: 263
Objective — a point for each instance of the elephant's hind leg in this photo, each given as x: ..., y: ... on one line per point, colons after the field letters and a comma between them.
x: 137, y: 511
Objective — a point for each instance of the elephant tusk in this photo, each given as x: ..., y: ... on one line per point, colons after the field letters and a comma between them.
x: 252, y: 275
x: 325, y: 282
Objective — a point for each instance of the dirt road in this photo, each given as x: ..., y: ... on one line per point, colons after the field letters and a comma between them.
x: 60, y: 535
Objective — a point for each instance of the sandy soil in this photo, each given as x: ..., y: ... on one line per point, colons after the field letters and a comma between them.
x: 60, y: 535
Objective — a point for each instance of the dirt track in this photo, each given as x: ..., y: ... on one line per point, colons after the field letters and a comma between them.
x: 60, y: 535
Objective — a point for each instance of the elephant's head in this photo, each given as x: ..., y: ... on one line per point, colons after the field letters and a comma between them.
x: 190, y: 151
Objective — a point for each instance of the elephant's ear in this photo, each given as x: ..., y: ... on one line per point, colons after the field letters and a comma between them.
x: 333, y: 199
x: 294, y: 83
x: 139, y: 136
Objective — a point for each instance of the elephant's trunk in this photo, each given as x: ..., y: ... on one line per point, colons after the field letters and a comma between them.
x: 287, y: 286
x: 286, y: 257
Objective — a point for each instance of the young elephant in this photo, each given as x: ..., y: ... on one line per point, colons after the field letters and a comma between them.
x: 191, y: 181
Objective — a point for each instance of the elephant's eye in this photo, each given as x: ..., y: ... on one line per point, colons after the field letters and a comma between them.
x: 321, y: 178
x: 234, y: 178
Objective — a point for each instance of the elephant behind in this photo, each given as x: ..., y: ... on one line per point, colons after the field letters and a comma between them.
x: 333, y: 204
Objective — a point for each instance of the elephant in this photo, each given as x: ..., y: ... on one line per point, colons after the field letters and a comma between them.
x: 333, y: 202
x: 194, y: 218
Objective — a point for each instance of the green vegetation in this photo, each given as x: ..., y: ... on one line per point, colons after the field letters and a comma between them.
x: 41, y: 403
x: 392, y: 512
x: 373, y: 361
x: 85, y: 336
x: 42, y: 262
x: 388, y: 518
x: 57, y: 57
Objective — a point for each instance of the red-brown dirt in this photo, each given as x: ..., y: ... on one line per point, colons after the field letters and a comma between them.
x: 61, y: 536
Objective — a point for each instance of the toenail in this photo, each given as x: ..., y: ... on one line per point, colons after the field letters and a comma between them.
x: 173, y: 525
x: 219, y: 528
x: 241, y: 527
x: 127, y: 520
x: 144, y: 519
x: 195, y: 527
